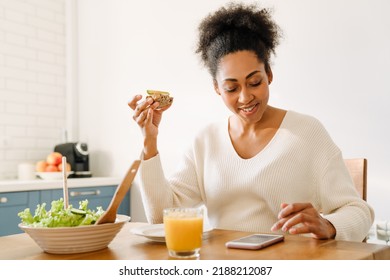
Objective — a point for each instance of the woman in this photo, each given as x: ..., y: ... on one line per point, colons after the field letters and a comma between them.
x: 263, y: 170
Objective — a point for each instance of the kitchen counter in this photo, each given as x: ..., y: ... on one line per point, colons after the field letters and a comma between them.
x: 17, y: 195
x: 39, y: 184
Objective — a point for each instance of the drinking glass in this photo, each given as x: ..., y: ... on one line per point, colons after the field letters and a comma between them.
x: 183, y: 231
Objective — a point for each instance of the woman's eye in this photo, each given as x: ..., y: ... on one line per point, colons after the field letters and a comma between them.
x: 230, y: 89
x: 255, y: 84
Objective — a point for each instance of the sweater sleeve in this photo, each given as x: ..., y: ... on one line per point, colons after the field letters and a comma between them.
x: 158, y: 192
x: 341, y: 204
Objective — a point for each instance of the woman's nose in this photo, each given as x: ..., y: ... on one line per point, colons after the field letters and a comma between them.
x: 245, y: 96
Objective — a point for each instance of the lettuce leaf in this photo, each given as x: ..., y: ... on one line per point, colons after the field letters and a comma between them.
x: 57, y: 216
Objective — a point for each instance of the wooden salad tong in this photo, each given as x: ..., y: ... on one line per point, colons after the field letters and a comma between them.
x: 109, y: 216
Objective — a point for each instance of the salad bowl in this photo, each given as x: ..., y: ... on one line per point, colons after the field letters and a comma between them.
x: 76, y: 239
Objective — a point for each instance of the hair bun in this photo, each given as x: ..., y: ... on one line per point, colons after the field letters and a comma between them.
x: 249, y: 18
x: 234, y: 23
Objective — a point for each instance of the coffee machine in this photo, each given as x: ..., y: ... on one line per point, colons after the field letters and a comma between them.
x: 77, y: 155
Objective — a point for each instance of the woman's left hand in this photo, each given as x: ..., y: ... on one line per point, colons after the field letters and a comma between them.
x: 299, y: 218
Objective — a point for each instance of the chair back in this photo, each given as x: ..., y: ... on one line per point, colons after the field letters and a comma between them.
x: 357, y: 167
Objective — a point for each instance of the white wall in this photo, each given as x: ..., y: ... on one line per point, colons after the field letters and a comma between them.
x: 332, y: 63
x: 32, y: 81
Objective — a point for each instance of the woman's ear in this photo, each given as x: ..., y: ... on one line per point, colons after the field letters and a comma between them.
x: 215, y: 83
x: 270, y: 75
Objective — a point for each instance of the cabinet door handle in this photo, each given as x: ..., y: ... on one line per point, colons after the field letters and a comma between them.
x: 74, y: 194
x: 3, y: 199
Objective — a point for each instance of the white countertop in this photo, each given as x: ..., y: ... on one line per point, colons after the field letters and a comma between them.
x: 39, y: 184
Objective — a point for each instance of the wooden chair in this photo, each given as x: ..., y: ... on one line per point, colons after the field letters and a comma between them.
x: 358, y: 169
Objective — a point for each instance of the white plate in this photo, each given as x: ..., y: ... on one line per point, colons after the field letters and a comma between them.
x: 155, y: 232
x: 52, y: 175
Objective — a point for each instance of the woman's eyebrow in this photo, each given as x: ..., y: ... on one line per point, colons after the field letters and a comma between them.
x: 252, y: 73
x: 247, y: 77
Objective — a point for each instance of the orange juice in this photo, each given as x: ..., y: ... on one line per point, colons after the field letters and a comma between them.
x: 183, y: 231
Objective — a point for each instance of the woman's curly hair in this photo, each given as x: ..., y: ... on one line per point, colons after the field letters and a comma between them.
x: 237, y: 27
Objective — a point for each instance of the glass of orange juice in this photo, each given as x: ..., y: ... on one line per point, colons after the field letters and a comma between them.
x: 183, y: 231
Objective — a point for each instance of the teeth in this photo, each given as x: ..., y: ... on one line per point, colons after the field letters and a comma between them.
x: 248, y: 109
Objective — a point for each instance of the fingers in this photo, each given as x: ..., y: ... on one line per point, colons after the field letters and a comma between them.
x: 141, y: 108
x: 299, y: 223
x: 140, y: 116
x: 283, y: 205
x: 133, y: 102
x: 149, y: 117
x: 289, y: 209
x: 292, y: 215
x: 278, y: 225
x: 312, y: 223
x: 300, y: 218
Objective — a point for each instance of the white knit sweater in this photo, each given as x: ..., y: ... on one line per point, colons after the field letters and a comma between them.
x: 300, y: 164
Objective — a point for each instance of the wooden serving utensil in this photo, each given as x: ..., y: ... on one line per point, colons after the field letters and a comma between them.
x: 65, y: 183
x: 109, y: 215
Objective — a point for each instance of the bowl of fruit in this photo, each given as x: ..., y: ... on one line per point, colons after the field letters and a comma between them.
x: 51, y: 168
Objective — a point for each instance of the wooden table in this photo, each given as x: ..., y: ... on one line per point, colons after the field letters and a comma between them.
x: 128, y: 246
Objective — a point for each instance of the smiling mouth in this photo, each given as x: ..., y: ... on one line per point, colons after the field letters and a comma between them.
x: 248, y: 109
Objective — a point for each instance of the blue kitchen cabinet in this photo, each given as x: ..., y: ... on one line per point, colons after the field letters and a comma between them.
x: 11, y: 203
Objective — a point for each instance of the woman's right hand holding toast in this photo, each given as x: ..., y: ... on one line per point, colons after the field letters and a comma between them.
x: 148, y: 119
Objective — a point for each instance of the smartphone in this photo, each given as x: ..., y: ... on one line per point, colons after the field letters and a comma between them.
x: 255, y: 241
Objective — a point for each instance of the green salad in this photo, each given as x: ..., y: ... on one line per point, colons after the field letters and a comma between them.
x: 57, y: 216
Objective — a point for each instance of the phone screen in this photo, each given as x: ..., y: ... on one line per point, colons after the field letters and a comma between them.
x: 256, y: 238
x: 255, y: 241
